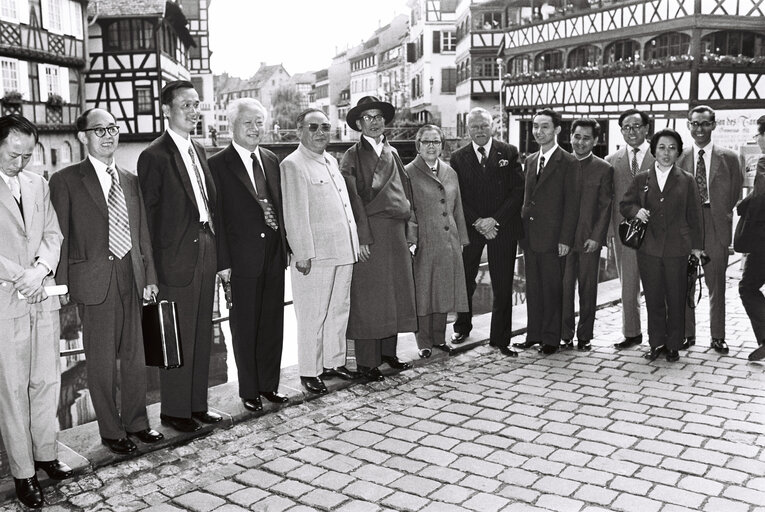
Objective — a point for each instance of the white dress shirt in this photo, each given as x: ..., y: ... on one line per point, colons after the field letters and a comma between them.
x: 244, y: 154
x: 707, y: 157
x: 378, y: 147
x: 13, y: 184
x: 183, y: 147
x: 643, y: 150
x: 661, y: 176
x: 547, y: 155
x: 103, y: 176
x: 486, y: 146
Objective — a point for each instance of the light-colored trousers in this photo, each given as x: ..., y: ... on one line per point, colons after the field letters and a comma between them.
x: 322, y: 301
x: 627, y: 267
x: 30, y: 381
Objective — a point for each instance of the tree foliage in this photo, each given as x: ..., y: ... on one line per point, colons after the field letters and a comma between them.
x: 285, y: 103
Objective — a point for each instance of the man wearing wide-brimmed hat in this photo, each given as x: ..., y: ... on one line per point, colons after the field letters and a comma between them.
x: 382, y: 289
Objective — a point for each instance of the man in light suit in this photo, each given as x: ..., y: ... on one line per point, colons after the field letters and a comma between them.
x: 107, y: 263
x: 321, y: 232
x: 720, y: 178
x: 252, y: 250
x: 180, y: 199
x: 30, y: 374
x: 628, y: 161
x: 550, y: 214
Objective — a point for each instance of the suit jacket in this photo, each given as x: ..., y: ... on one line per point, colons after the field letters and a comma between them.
x: 725, y: 181
x: 83, y: 216
x: 171, y: 208
x: 675, y: 226
x: 622, y: 180
x: 597, y: 190
x: 242, y: 237
x: 495, y: 192
x: 551, y: 205
x: 753, y: 208
x: 25, y: 240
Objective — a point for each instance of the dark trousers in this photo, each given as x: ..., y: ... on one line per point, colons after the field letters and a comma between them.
x: 501, y: 255
x: 184, y: 390
x: 431, y: 330
x: 752, y: 298
x: 581, y: 267
x: 665, y: 283
x: 111, y: 331
x: 369, y: 353
x: 544, y: 296
x: 257, y: 324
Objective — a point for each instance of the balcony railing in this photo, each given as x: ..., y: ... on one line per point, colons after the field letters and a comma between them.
x: 32, y: 42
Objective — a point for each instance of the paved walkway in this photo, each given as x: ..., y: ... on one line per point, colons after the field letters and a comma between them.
x: 570, y: 432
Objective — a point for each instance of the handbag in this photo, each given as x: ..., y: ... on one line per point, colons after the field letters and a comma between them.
x: 161, y: 336
x: 632, y: 232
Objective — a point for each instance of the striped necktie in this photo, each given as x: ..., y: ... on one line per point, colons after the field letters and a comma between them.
x: 119, y: 227
x: 701, y: 177
x: 634, y: 169
x: 201, y: 186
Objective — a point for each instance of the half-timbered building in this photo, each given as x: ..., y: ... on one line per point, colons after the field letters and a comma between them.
x: 196, y: 12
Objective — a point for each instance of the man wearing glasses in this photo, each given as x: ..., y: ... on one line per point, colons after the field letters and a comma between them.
x: 628, y: 161
x: 107, y: 262
x: 719, y: 178
x: 382, y: 291
x: 321, y: 231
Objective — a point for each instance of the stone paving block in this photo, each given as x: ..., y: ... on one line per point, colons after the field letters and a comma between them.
x: 556, y: 485
x: 595, y: 448
x: 305, y: 473
x: 612, y: 438
x: 313, y: 455
x: 292, y: 488
x: 333, y: 480
x: 430, y: 427
x: 199, y: 501
x: 376, y: 474
x: 337, y: 446
x: 416, y: 485
x: 519, y: 477
x: 738, y: 493
x: 405, y: 501
x: 472, y: 449
x: 684, y: 466
x: 483, y: 502
x: 405, y: 464
x: 282, y: 465
x: 395, y: 446
x: 523, y: 507
x: 452, y: 494
x: 367, y: 490
x: 477, y: 466
x: 370, y: 455
x: 398, y: 420
x: 545, y: 466
x: 248, y: 495
x: 559, y: 503
x: 379, y: 427
x: 273, y: 504
x: 480, y: 483
x: 433, y: 456
x: 357, y: 437
x: 701, y: 485
x: 574, y: 457
x: 638, y: 457
x: 532, y: 450
x: 677, y: 496
x: 484, y: 426
x: 521, y: 434
x: 358, y: 506
x: 658, y: 475
x: 446, y: 475
x: 595, y: 494
x: 506, y: 458
x: 341, y: 463
x: 619, y: 467
x: 727, y: 475
x: 556, y: 440
x: 632, y: 503
x: 587, y: 475
x: 495, y: 441
x: 460, y: 433
x: 257, y: 478
x: 406, y: 434
x: 437, y: 506
x: 746, y: 465
x: 721, y: 445
x: 705, y: 456
x: 719, y: 504
x: 324, y: 499
x: 659, y: 447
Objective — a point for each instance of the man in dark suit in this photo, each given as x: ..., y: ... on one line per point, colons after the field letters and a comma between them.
x: 550, y: 214
x: 491, y: 184
x: 253, y: 251
x: 583, y: 261
x: 180, y: 198
x: 107, y: 262
x: 720, y: 178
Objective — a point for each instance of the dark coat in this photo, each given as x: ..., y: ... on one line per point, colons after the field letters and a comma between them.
x: 752, y: 239
x: 597, y: 190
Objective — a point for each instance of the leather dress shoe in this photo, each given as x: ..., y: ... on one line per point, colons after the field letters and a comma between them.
x: 688, y: 342
x: 314, y: 385
x: 629, y: 341
x: 207, y: 417
x: 147, y: 435
x: 55, y: 469
x: 458, y: 338
x: 548, y: 349
x: 372, y: 374
x: 341, y: 372
x: 424, y: 353
x: 29, y: 492
x: 583, y: 345
x: 122, y: 446
x: 275, y: 397
x: 443, y: 346
x: 758, y: 353
x: 507, y: 351
x: 526, y: 344
x: 655, y: 352
x: 672, y: 355
x: 719, y: 345
x: 566, y: 344
x: 180, y: 424
x: 395, y: 363
x: 252, y: 404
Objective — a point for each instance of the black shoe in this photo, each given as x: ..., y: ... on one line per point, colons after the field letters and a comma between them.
x: 630, y: 341
x: 180, y: 424
x: 275, y: 397
x: 526, y: 344
x: 207, y: 417
x: 424, y: 353
x: 372, y: 374
x: 55, y: 469
x: 672, y: 355
x: 548, y: 349
x: 148, y: 435
x: 758, y: 353
x: 314, y: 385
x: 566, y: 344
x: 122, y: 446
x: 458, y: 338
x: 341, y: 372
x: 507, y: 351
x: 719, y: 345
x: 395, y: 363
x: 252, y: 404
x: 583, y: 345
x: 688, y: 342
x: 28, y: 492
x: 655, y: 352
x: 443, y: 346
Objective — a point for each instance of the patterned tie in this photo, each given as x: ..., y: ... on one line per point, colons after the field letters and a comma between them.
x: 119, y: 227
x: 701, y: 177
x: 482, y: 150
x: 635, y: 167
x: 541, y: 166
x: 201, y: 188
x: 264, y: 199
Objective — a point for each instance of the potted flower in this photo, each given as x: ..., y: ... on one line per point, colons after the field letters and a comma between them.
x: 12, y: 98
x: 55, y: 100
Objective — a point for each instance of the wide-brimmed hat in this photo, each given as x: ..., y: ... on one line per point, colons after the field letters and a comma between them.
x: 369, y: 103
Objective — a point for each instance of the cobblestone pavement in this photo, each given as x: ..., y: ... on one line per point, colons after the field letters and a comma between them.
x: 568, y: 432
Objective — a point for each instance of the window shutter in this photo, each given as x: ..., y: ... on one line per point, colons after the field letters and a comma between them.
x: 44, y: 14
x: 43, y: 81
x: 22, y: 7
x: 436, y: 41
x: 63, y: 76
x: 22, y: 69
x: 410, y: 52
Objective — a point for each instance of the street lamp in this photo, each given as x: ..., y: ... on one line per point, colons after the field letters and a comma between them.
x: 501, y: 106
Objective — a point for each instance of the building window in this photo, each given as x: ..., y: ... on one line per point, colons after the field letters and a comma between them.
x: 485, y: 67
x: 444, y: 41
x: 733, y: 42
x: 38, y: 155
x: 546, y: 61
x: 488, y: 20
x: 8, y: 10
x: 66, y: 152
x: 584, y: 56
x: 519, y: 65
x: 54, y: 14
x: 10, y: 75
x: 127, y: 35
x: 144, y: 102
x: 52, y: 81
x: 626, y: 50
x: 667, y: 45
x: 449, y: 80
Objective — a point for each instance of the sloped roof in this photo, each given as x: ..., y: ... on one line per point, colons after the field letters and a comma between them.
x: 125, y: 8
x: 304, y: 78
x: 264, y: 73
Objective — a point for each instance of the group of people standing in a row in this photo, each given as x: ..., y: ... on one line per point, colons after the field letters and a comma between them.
x: 374, y: 247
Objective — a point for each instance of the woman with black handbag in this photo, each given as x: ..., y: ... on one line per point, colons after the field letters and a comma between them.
x: 667, y: 200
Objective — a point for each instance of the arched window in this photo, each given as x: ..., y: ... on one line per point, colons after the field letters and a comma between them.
x: 667, y: 45
x: 38, y: 155
x: 734, y: 42
x: 520, y: 65
x: 551, y: 59
x: 66, y: 152
x: 624, y: 50
x: 583, y: 56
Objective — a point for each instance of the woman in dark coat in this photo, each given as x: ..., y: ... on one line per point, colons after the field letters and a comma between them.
x: 667, y: 198
x: 439, y: 276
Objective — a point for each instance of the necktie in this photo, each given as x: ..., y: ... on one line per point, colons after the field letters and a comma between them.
x: 198, y: 175
x: 482, y: 150
x: 541, y: 165
x: 635, y: 167
x: 119, y: 228
x: 264, y: 199
x: 701, y: 177
x: 15, y: 190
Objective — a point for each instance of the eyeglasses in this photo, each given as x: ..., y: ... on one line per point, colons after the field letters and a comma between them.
x: 314, y: 127
x: 632, y: 127
x: 433, y: 143
x: 369, y: 119
x: 702, y: 124
x: 100, y: 131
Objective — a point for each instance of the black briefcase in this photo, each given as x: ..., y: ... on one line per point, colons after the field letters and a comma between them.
x: 161, y: 337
